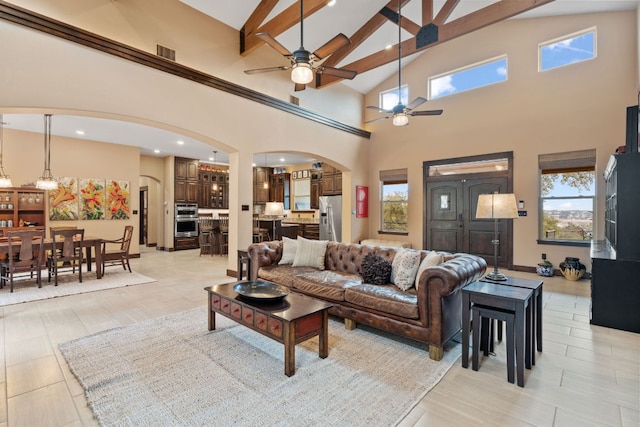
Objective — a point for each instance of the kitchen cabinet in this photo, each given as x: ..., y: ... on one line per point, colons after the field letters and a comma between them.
x: 261, y: 178
x: 331, y: 181
x: 309, y: 231
x: 213, y: 189
x: 316, y: 182
x: 22, y: 204
x: 186, y: 185
x: 279, y: 189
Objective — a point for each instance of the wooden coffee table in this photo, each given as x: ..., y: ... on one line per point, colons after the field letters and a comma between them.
x: 289, y: 321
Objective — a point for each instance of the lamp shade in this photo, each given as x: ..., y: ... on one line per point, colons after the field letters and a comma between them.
x: 302, y: 73
x: 274, y: 208
x: 497, y: 206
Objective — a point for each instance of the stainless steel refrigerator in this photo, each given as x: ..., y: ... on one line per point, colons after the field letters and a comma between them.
x: 331, y: 218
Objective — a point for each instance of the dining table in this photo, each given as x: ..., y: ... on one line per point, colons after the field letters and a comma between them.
x: 89, y: 244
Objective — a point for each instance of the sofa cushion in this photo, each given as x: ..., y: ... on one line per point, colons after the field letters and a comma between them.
x: 289, y: 247
x: 375, y: 269
x: 326, y: 284
x: 310, y: 253
x: 404, y: 267
x: 282, y: 274
x: 432, y: 258
x: 385, y: 298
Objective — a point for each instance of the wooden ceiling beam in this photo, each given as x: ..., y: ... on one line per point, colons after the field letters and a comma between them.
x: 481, y: 18
x: 258, y: 15
x: 427, y: 12
x: 370, y: 27
x: 445, y: 12
x: 278, y: 25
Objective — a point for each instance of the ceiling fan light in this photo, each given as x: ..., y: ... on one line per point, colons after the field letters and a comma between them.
x: 400, y: 119
x: 302, y: 73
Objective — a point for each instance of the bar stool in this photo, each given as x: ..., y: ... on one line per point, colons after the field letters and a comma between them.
x: 244, y: 262
x: 482, y: 323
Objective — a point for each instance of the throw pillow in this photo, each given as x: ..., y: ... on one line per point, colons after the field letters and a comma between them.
x: 375, y: 269
x: 310, y: 253
x: 404, y: 267
x: 432, y: 258
x: 289, y: 247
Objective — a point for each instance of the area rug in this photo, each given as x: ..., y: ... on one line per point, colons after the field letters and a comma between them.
x: 26, y: 290
x: 172, y: 371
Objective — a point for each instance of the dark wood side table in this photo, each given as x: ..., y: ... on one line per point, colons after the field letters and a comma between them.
x: 536, y: 309
x: 492, y: 295
x: 289, y: 321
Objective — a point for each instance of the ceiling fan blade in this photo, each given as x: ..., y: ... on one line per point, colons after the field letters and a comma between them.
x: 336, y: 72
x: 426, y: 113
x: 379, y: 118
x: 298, y: 87
x: 266, y: 37
x: 415, y: 103
x: 266, y: 70
x: 378, y: 109
x: 331, y: 46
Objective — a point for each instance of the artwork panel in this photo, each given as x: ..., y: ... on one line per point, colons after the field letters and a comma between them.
x: 92, y: 199
x: 63, y: 201
x: 118, y: 199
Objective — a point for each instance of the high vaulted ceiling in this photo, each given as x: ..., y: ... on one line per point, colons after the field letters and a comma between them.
x: 372, y: 26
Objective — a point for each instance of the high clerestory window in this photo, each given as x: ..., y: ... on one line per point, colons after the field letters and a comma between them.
x: 567, y: 197
x: 389, y: 98
x: 567, y: 50
x: 394, y: 205
x: 469, y: 77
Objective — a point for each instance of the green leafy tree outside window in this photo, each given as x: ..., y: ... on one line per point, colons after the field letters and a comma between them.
x: 394, y: 211
x: 582, y: 181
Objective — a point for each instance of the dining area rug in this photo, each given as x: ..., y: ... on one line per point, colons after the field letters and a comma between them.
x: 25, y: 289
x: 173, y: 371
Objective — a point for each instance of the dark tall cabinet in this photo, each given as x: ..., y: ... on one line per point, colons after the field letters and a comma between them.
x: 280, y: 189
x: 615, y: 277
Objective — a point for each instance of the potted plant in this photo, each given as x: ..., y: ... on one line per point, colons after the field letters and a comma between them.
x: 545, y: 268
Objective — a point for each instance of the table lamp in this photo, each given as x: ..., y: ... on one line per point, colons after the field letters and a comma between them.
x: 496, y: 206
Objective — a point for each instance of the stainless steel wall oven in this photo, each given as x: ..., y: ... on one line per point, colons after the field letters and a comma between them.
x: 186, y: 220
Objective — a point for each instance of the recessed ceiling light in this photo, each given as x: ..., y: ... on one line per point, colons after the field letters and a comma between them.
x: 180, y: 142
x: 331, y: 3
x: 211, y: 159
x: 388, y: 46
x: 253, y: 164
x: 80, y: 132
x: 282, y: 159
x: 156, y: 151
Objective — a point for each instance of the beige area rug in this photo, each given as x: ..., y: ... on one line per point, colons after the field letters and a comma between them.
x: 26, y: 289
x: 171, y: 371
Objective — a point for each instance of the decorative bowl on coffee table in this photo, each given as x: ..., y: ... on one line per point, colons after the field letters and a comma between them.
x: 261, y: 291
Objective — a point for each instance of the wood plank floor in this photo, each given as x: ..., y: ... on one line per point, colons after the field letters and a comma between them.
x: 587, y: 375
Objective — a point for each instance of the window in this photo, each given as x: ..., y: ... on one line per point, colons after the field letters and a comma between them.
x: 395, y: 201
x: 570, y: 49
x: 471, y: 77
x: 567, y: 196
x: 389, y: 98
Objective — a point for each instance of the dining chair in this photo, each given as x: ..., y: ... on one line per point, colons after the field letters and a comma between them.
x: 223, y: 238
x: 118, y: 255
x: 67, y: 253
x: 24, y: 255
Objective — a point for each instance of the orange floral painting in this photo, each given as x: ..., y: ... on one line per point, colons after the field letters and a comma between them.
x: 63, y: 201
x: 92, y: 198
x: 118, y: 204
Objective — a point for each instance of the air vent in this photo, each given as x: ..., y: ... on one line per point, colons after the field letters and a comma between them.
x: 165, y: 52
x: 294, y: 100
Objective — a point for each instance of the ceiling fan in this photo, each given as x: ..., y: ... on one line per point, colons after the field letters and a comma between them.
x: 302, y: 60
x: 400, y: 113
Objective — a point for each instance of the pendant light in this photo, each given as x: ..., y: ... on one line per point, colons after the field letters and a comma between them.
x: 214, y: 186
x: 5, y: 180
x: 47, y: 181
x: 400, y: 119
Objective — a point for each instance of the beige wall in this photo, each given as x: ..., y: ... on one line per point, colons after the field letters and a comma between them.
x: 576, y: 107
x: 70, y: 157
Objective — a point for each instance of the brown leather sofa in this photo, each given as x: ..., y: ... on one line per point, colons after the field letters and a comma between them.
x: 432, y: 314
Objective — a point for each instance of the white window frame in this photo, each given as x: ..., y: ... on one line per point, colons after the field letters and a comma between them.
x: 394, y: 90
x: 465, y: 68
x: 569, y: 37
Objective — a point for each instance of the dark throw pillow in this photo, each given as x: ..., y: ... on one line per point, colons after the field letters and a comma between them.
x: 375, y: 269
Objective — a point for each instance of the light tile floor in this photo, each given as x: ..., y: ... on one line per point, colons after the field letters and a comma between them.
x: 587, y: 375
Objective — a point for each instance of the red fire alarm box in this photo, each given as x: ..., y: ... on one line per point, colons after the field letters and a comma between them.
x: 362, y: 201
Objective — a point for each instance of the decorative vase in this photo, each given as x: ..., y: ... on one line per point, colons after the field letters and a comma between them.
x: 545, y: 270
x: 572, y: 268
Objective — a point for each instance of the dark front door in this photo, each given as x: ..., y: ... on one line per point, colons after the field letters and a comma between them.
x: 450, y: 210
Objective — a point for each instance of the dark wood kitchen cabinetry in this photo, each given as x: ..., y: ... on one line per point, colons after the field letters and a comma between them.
x: 316, y: 183
x: 331, y: 181
x: 186, y: 185
x: 615, y: 262
x: 261, y: 178
x: 279, y: 189
x: 214, y: 190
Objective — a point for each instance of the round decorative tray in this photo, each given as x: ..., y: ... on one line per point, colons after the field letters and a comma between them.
x: 262, y: 291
